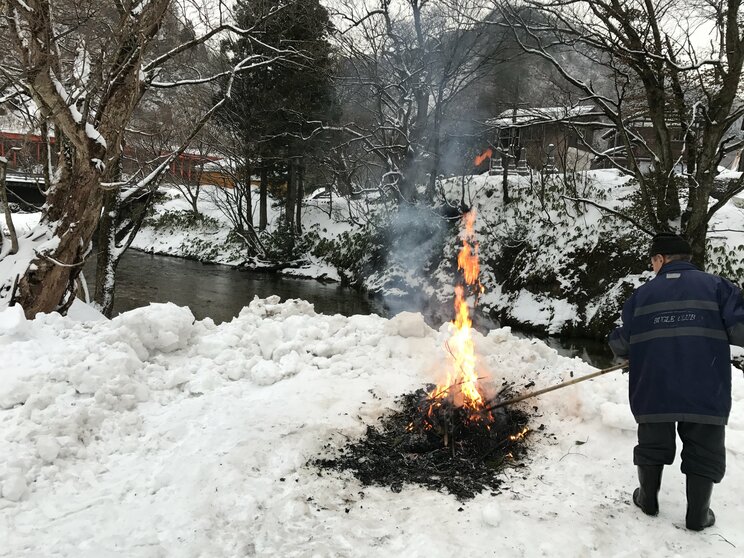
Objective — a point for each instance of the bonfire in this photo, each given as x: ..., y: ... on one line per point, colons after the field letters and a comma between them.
x: 460, y: 402
x: 447, y: 435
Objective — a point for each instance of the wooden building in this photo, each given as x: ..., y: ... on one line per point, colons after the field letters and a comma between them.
x: 553, y: 138
x: 558, y: 138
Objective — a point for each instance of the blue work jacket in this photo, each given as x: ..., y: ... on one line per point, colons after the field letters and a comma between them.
x: 676, y: 331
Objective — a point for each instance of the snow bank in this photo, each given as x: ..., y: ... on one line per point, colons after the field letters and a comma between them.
x: 156, y: 435
x: 209, y: 239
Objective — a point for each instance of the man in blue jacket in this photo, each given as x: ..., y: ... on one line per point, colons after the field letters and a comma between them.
x: 676, y: 332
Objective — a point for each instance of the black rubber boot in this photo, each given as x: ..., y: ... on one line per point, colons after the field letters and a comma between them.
x: 699, y: 514
x: 647, y: 496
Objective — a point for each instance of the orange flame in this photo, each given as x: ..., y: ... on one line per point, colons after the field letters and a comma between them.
x: 467, y: 259
x: 461, y: 383
x: 487, y: 154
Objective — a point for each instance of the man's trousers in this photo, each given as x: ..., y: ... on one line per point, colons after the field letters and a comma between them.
x: 703, y: 447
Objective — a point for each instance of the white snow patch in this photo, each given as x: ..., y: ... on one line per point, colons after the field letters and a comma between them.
x: 155, y: 435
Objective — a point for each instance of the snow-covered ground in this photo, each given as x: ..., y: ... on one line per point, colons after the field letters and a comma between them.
x: 155, y: 435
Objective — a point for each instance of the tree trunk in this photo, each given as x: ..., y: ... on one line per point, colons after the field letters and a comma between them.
x: 263, y: 218
x: 431, y: 186
x: 194, y: 200
x: 6, y: 209
x: 46, y: 154
x: 107, y: 258
x: 290, y: 202
x: 696, y: 214
x: 698, y: 239
x: 73, y: 209
x: 248, y: 195
x: 696, y: 230
x: 505, y: 177
x: 300, y: 194
x: 666, y: 194
x: 408, y: 178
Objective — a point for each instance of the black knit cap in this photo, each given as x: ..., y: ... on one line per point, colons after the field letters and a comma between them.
x: 666, y: 244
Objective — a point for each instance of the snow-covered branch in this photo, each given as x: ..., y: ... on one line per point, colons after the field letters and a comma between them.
x: 222, y: 28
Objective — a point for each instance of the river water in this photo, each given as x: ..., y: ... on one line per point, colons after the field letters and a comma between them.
x: 217, y: 291
x: 220, y: 292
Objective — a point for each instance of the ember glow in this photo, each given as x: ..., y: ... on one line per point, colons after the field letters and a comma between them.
x: 461, y: 385
x: 487, y: 154
x: 519, y: 435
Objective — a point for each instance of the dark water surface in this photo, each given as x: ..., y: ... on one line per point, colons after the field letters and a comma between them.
x: 220, y: 292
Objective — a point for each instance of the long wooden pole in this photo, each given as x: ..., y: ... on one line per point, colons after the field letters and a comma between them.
x: 558, y: 386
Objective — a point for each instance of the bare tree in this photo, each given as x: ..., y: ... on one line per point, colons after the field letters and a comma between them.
x: 86, y: 66
x: 236, y: 202
x: 673, y: 97
x: 407, y: 62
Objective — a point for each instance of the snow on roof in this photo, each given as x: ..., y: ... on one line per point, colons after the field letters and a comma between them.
x: 217, y: 163
x: 523, y: 117
x: 14, y: 122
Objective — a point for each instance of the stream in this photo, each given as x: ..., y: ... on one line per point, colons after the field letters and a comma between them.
x: 220, y: 292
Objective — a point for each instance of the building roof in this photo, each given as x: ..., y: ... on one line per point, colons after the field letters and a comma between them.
x: 527, y: 116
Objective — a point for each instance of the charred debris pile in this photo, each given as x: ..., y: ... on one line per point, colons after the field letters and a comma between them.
x: 435, y: 444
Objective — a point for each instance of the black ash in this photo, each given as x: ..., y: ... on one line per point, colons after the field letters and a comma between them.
x: 441, y: 447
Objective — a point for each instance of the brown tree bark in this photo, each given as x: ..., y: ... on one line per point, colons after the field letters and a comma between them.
x: 50, y: 280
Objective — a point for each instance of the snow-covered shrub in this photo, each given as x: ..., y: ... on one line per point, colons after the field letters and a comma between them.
x: 726, y: 260
x: 284, y: 245
x: 356, y: 253
x: 181, y: 220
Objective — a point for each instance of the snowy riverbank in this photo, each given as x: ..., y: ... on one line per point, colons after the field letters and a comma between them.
x: 548, y: 264
x: 173, y: 232
x: 154, y: 435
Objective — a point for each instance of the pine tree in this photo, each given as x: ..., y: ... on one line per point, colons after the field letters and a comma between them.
x: 275, y: 109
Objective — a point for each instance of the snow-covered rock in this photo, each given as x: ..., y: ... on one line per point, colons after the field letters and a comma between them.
x: 14, y: 487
